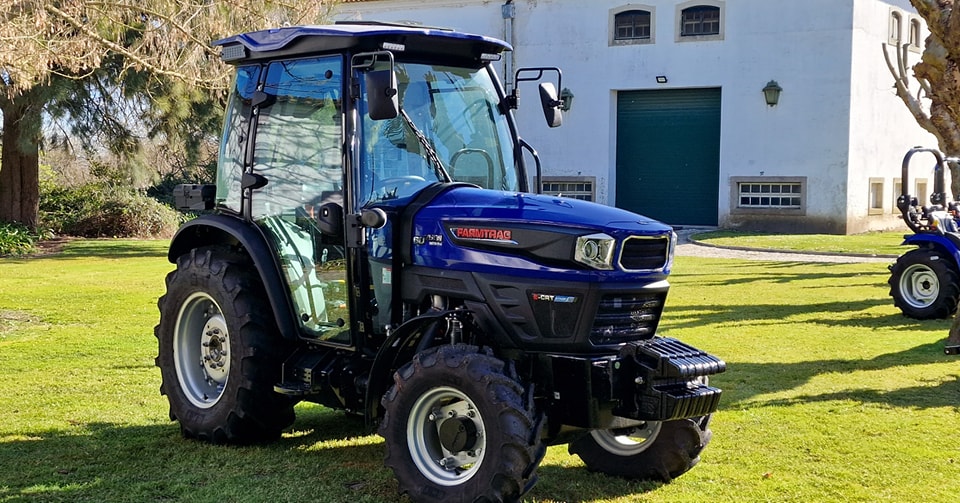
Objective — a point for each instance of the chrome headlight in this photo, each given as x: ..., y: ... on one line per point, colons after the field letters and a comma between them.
x: 595, y: 250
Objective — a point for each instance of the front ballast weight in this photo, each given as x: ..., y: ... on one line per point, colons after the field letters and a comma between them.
x: 670, y: 380
x: 658, y: 379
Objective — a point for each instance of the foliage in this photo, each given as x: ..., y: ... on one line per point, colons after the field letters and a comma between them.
x: 111, y: 74
x: 166, y: 38
x: 830, y: 396
x: 100, y: 210
x: 16, y: 239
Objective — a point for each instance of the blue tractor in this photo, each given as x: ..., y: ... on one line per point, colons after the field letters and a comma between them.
x: 373, y: 244
x: 925, y: 281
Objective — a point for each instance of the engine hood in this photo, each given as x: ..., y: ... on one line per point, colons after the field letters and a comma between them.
x: 538, y: 209
x: 467, y: 228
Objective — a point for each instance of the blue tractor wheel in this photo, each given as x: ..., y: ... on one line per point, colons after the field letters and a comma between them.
x: 925, y: 284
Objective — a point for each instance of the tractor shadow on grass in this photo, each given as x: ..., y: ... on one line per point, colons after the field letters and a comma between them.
x: 325, y: 457
x: 578, y: 485
x: 111, y: 462
x: 745, y: 381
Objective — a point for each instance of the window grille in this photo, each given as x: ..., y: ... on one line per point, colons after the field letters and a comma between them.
x: 770, y: 195
x: 700, y: 20
x: 632, y: 25
x: 582, y: 188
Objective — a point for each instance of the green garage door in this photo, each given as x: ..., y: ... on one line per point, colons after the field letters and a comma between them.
x: 668, y: 154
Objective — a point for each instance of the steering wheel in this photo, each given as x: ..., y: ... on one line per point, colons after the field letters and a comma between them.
x: 397, y: 183
x: 483, y: 153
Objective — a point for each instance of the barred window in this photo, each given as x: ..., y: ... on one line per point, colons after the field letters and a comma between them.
x: 700, y: 20
x: 582, y: 188
x: 632, y: 25
x: 770, y: 195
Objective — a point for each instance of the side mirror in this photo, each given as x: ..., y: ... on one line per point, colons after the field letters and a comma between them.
x: 330, y: 219
x: 381, y: 94
x: 551, y: 104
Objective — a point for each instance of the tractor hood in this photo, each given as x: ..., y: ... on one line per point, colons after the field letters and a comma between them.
x: 469, y: 229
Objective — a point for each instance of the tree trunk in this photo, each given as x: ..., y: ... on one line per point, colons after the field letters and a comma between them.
x: 953, y: 337
x: 20, y: 164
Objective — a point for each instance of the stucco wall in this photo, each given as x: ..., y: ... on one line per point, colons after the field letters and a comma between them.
x: 881, y: 128
x: 837, y: 123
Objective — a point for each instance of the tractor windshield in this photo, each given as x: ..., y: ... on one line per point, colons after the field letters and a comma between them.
x: 452, y: 111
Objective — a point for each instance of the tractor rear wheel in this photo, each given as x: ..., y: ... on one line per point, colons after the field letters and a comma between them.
x: 220, y: 352
x: 653, y: 451
x: 925, y: 284
x: 459, y: 429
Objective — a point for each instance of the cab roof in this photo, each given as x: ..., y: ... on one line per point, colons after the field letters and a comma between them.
x: 357, y: 36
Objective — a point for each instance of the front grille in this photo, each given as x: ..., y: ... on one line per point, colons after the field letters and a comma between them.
x: 556, y: 319
x: 626, y: 317
x: 644, y: 253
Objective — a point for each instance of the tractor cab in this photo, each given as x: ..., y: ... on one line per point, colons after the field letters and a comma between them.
x: 330, y: 146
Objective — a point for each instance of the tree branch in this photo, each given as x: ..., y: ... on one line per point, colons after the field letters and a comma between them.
x: 137, y: 59
x: 913, y: 105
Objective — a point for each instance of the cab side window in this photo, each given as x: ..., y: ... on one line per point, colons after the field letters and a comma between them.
x: 298, y: 146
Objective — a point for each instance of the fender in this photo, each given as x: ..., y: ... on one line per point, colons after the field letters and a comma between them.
x: 410, y: 338
x: 220, y: 229
x: 948, y: 244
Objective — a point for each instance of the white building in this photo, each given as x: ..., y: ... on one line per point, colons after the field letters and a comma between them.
x: 668, y: 117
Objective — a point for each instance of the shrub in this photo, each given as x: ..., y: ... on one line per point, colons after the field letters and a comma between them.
x: 16, y: 239
x: 98, y: 210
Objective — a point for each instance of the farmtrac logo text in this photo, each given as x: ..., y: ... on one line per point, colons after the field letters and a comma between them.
x: 482, y: 233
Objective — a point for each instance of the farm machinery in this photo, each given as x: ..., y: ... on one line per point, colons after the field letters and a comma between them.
x: 373, y: 244
x: 925, y: 281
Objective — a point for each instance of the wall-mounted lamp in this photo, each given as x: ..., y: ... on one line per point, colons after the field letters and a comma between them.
x: 566, y: 97
x: 661, y: 79
x: 771, y: 93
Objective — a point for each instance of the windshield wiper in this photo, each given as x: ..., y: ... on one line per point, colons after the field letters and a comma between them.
x: 431, y: 153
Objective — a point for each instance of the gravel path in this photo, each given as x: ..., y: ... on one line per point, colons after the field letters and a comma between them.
x: 688, y: 248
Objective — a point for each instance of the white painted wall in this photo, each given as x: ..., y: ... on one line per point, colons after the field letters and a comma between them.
x: 838, y: 121
x: 881, y: 128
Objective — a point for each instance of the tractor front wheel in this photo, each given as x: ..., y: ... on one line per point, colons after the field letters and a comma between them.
x: 925, y: 284
x: 653, y: 451
x: 459, y: 429
x: 220, y: 352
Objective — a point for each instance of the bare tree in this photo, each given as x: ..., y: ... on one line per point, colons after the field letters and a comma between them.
x: 70, y: 52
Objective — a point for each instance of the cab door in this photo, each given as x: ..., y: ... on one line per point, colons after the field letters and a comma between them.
x: 298, y: 150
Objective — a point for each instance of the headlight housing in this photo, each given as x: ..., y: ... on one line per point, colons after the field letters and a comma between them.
x: 596, y: 251
x: 674, y: 239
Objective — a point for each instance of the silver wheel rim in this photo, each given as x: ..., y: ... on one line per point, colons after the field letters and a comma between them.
x: 200, y: 350
x: 629, y: 444
x: 919, y: 286
x: 436, y: 462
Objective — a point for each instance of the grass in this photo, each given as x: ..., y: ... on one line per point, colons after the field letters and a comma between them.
x: 831, y: 395
x: 870, y: 243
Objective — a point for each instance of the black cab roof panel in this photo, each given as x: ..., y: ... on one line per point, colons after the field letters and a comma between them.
x: 293, y: 41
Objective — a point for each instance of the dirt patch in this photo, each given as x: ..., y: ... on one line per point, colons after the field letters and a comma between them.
x: 51, y: 246
x: 11, y: 320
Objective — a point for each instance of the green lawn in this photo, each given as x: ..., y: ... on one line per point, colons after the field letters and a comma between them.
x: 830, y: 395
x: 870, y: 243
